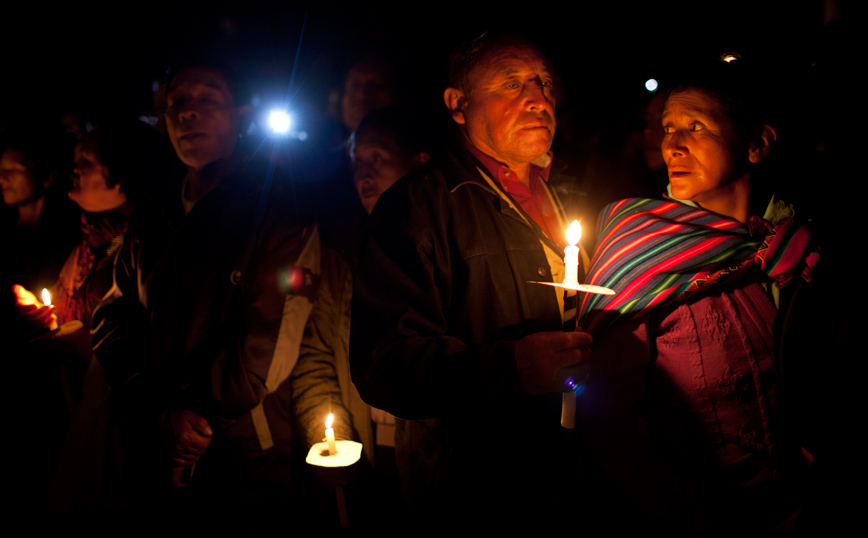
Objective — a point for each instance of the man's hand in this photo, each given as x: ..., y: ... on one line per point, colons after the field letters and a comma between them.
x: 186, y: 435
x: 547, y: 360
x: 32, y: 310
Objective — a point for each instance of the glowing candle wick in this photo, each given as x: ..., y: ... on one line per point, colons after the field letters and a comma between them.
x: 571, y: 253
x: 330, y: 435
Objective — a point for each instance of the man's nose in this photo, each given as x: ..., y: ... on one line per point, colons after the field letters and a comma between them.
x: 535, y: 95
x: 363, y: 172
x: 188, y: 112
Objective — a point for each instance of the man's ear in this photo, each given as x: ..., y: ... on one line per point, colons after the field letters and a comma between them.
x: 455, y: 101
x: 764, y: 137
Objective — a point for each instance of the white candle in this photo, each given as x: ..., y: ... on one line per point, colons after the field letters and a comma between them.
x: 330, y: 435
x: 571, y: 276
x: 571, y: 253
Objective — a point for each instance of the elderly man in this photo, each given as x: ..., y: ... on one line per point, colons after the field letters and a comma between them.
x: 448, y: 332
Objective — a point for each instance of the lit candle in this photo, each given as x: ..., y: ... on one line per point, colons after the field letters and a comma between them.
x: 46, y: 300
x: 330, y: 435
x: 571, y: 253
x: 570, y: 317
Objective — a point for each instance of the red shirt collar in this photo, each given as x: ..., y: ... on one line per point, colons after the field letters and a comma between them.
x: 533, y: 198
x: 502, y: 173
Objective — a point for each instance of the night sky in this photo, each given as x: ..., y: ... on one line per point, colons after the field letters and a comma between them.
x: 98, y: 59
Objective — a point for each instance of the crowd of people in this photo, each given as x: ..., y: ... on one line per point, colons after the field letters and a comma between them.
x: 211, y: 299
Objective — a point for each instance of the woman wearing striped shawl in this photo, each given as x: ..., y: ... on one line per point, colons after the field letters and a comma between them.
x: 681, y: 409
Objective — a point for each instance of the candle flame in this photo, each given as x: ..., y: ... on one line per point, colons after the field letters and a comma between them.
x: 574, y: 233
x: 329, y: 420
x: 46, y: 297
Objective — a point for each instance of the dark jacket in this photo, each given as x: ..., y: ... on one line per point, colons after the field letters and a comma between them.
x: 441, y: 297
x: 215, y: 318
x: 216, y: 300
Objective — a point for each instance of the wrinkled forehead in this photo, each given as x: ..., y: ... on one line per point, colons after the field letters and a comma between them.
x: 201, y: 77
x: 366, y: 71
x: 11, y: 155
x: 509, y: 58
x: 694, y: 102
x: 374, y: 137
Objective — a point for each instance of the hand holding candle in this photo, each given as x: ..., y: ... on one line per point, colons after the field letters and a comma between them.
x: 40, y: 314
x: 350, y: 453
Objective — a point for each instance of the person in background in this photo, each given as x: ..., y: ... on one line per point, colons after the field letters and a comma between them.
x: 110, y: 163
x: 370, y: 83
x: 40, y: 224
x: 387, y: 145
x: 226, y: 318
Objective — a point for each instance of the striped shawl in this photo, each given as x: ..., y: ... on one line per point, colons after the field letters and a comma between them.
x: 655, y: 252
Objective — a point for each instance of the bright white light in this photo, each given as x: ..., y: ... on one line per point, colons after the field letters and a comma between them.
x: 574, y: 233
x: 279, y: 121
x: 651, y: 84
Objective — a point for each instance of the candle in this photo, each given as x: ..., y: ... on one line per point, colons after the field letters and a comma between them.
x: 571, y: 276
x: 571, y: 253
x: 570, y: 316
x: 46, y: 300
x: 330, y: 435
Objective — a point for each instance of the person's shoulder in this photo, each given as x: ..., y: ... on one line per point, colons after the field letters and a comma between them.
x: 438, y: 178
x: 628, y: 206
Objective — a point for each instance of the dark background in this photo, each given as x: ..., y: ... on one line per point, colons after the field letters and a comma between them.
x: 91, y: 58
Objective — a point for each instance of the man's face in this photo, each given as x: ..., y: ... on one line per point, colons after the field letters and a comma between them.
x: 700, y: 147
x: 16, y: 178
x: 201, y: 117
x: 510, y: 111
x: 366, y: 89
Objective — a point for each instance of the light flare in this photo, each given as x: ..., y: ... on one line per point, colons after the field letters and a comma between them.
x: 279, y: 121
x: 574, y: 233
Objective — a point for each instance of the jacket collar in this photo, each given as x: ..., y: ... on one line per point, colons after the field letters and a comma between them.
x: 462, y: 170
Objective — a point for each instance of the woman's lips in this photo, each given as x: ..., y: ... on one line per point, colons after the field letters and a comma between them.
x: 679, y: 171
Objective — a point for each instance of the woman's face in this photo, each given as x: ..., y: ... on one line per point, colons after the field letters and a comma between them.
x: 17, y: 182
x: 701, y: 148
x: 377, y: 164
x: 90, y: 189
